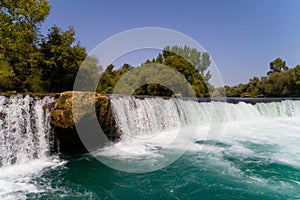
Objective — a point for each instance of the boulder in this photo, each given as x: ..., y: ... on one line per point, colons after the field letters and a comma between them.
x: 64, y: 116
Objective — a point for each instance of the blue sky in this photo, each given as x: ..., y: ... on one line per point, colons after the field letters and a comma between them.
x: 241, y: 36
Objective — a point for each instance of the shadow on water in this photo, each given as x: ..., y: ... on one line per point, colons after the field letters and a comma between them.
x: 213, y: 143
x: 261, y: 148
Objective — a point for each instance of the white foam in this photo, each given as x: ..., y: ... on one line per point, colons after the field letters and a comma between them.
x: 17, y: 181
x: 150, y: 126
x: 24, y: 129
x: 24, y: 144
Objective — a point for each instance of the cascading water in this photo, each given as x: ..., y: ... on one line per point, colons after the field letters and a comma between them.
x: 255, y: 157
x: 287, y: 108
x: 149, y: 124
x: 26, y: 140
x: 24, y: 129
x: 136, y: 116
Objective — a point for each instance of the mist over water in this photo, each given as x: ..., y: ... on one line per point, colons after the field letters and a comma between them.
x: 256, y: 156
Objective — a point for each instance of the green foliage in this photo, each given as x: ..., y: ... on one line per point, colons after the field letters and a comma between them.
x: 165, y: 78
x: 29, y: 61
x: 110, y: 77
x: 278, y: 65
x: 188, y: 70
x: 279, y: 82
x: 20, y: 22
x: 297, y: 75
x: 297, y: 80
x: 282, y: 84
x: 62, y: 57
x: 88, y: 75
x: 8, y: 79
x: 34, y: 83
x: 200, y: 61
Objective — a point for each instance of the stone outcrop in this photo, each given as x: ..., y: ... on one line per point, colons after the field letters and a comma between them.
x: 65, y: 115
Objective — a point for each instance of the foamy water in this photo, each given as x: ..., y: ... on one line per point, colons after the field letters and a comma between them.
x: 254, y: 153
x: 18, y: 180
x: 153, y: 127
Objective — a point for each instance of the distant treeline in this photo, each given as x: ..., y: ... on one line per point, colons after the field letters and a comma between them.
x: 32, y: 62
x: 280, y: 81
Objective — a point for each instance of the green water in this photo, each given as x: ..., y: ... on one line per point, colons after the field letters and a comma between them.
x: 227, y: 177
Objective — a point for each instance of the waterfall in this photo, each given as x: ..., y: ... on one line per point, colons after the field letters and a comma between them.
x: 150, y: 115
x: 286, y: 108
x: 136, y: 116
x: 25, y: 132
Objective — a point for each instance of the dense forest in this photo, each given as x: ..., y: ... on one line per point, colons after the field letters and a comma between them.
x: 33, y: 62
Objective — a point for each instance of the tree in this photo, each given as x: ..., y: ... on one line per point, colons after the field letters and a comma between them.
x: 19, y: 32
x: 297, y: 80
x: 297, y: 74
x: 278, y: 65
x: 8, y: 78
x: 159, y: 58
x: 31, y: 62
x: 200, y: 61
x: 203, y: 66
x: 110, y: 77
x: 186, y: 61
x: 88, y: 75
x: 281, y: 82
x: 62, y: 57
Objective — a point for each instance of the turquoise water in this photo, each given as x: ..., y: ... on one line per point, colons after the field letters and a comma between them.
x: 255, y: 165
x: 257, y: 156
x: 227, y: 176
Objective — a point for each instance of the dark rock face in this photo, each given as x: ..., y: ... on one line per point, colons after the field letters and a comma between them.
x: 63, y: 120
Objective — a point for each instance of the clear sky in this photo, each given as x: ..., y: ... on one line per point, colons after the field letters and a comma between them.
x: 241, y: 36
